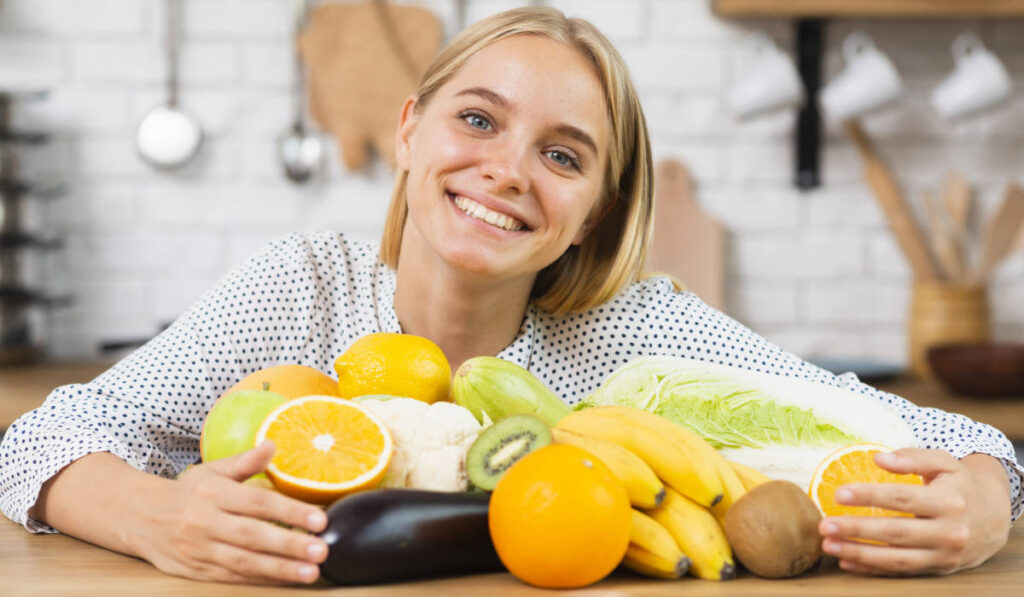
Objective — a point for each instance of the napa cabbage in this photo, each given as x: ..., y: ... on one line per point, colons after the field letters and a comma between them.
x: 782, y: 426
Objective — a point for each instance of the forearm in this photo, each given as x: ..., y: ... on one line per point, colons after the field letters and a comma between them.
x: 94, y: 498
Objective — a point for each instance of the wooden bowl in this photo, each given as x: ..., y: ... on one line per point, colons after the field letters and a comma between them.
x: 984, y: 369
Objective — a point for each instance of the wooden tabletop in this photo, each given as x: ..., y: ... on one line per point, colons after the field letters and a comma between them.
x: 61, y: 565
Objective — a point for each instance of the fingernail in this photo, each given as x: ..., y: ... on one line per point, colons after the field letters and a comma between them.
x: 315, y: 521
x: 831, y: 528
x: 886, y: 458
x: 316, y: 550
x: 307, y: 572
x: 843, y: 495
x: 832, y: 548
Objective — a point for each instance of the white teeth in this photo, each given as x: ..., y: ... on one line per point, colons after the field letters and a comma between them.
x: 500, y: 220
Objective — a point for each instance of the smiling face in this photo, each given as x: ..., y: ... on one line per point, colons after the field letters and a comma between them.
x: 507, y: 161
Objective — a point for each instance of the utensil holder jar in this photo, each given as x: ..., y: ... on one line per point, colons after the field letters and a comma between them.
x: 944, y: 313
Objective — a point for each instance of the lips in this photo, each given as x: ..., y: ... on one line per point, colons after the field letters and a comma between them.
x: 484, y: 214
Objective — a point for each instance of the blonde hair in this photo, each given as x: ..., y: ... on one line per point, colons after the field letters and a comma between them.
x: 612, y: 254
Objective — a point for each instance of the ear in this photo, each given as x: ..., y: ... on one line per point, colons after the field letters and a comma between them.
x: 403, y: 136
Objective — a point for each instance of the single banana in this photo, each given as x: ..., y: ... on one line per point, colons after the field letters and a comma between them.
x: 677, y: 455
x: 647, y: 534
x: 698, y: 535
x: 644, y: 562
x: 733, y: 490
x: 644, y: 487
x: 751, y: 477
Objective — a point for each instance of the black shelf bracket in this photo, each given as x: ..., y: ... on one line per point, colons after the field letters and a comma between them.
x: 810, y: 50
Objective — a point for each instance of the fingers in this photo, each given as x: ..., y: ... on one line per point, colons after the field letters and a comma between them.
x: 919, y: 500
x: 927, y: 463
x: 272, y: 506
x: 867, y: 558
x: 242, y: 466
x: 231, y: 561
x: 259, y: 536
x: 896, y: 531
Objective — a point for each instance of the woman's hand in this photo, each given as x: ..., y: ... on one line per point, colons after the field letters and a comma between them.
x: 962, y: 516
x: 207, y: 525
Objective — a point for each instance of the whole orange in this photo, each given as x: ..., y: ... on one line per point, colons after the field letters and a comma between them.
x: 291, y: 381
x: 559, y: 518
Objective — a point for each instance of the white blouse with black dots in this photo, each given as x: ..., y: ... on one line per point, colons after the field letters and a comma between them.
x: 305, y: 298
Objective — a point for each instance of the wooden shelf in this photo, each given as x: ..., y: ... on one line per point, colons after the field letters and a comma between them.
x: 870, y: 8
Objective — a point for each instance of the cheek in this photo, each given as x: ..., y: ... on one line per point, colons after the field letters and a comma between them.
x: 573, y: 205
x: 442, y: 148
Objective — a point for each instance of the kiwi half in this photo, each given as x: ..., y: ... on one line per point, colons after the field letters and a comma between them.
x: 501, y: 445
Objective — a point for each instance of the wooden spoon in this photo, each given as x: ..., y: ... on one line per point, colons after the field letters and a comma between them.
x: 942, y: 240
x: 957, y: 204
x: 894, y: 205
x: 1002, y: 234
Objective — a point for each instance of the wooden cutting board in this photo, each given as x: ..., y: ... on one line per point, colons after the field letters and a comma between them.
x: 364, y: 59
x: 688, y: 244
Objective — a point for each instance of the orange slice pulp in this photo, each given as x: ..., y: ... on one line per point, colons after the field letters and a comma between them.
x: 853, y: 464
x: 326, y: 447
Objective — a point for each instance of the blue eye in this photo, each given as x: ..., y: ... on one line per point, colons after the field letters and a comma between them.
x: 564, y: 159
x: 476, y: 121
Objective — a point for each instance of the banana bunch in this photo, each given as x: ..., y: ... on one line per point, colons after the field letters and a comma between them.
x: 679, y: 485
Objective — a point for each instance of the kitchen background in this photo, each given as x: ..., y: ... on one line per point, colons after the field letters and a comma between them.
x: 817, y: 272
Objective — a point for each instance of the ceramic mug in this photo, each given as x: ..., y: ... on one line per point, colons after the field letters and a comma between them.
x: 868, y: 81
x: 978, y: 80
x: 768, y: 79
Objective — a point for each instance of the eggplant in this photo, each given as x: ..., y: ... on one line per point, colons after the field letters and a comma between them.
x: 388, y: 535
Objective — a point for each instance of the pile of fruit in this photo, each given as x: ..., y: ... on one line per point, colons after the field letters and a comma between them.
x: 424, y: 475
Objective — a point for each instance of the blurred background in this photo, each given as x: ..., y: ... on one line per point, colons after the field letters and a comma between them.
x: 109, y: 248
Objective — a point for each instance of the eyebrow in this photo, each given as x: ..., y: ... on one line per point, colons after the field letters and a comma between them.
x: 501, y: 101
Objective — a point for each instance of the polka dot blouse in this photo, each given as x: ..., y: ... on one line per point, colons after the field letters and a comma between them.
x: 305, y: 298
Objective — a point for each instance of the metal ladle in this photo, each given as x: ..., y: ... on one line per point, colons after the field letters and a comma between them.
x: 300, y: 151
x: 168, y: 136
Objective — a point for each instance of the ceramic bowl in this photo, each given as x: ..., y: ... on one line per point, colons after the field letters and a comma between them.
x: 988, y: 369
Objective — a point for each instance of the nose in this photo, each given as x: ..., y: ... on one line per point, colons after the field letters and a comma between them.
x: 504, y: 164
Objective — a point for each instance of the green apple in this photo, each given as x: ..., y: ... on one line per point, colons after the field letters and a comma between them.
x: 230, y: 427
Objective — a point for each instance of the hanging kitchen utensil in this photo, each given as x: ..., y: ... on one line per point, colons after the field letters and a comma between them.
x: 364, y: 59
x: 300, y: 151
x: 687, y: 243
x: 940, y: 236
x: 893, y: 204
x: 168, y: 136
x: 1002, y: 233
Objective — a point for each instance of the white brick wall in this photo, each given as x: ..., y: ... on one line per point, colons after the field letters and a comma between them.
x: 816, y: 272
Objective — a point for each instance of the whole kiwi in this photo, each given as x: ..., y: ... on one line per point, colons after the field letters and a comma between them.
x: 773, y: 530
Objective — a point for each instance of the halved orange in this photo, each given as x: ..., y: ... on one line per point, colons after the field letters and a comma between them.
x: 326, y: 447
x: 854, y: 463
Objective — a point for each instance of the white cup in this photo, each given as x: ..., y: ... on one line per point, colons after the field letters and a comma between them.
x: 978, y: 80
x: 767, y: 81
x: 868, y: 81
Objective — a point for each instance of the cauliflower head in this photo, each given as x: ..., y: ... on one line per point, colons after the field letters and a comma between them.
x: 431, y: 442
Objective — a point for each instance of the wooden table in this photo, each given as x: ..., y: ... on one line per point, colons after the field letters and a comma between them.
x: 60, y: 565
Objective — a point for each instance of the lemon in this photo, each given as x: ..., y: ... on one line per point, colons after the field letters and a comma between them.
x: 394, y: 364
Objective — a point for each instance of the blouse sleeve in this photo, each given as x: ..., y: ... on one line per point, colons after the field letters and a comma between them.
x: 148, y: 409
x: 680, y: 323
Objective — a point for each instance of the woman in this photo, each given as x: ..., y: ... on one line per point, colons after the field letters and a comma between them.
x: 518, y: 225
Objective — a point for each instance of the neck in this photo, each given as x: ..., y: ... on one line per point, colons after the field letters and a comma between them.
x: 464, y: 314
